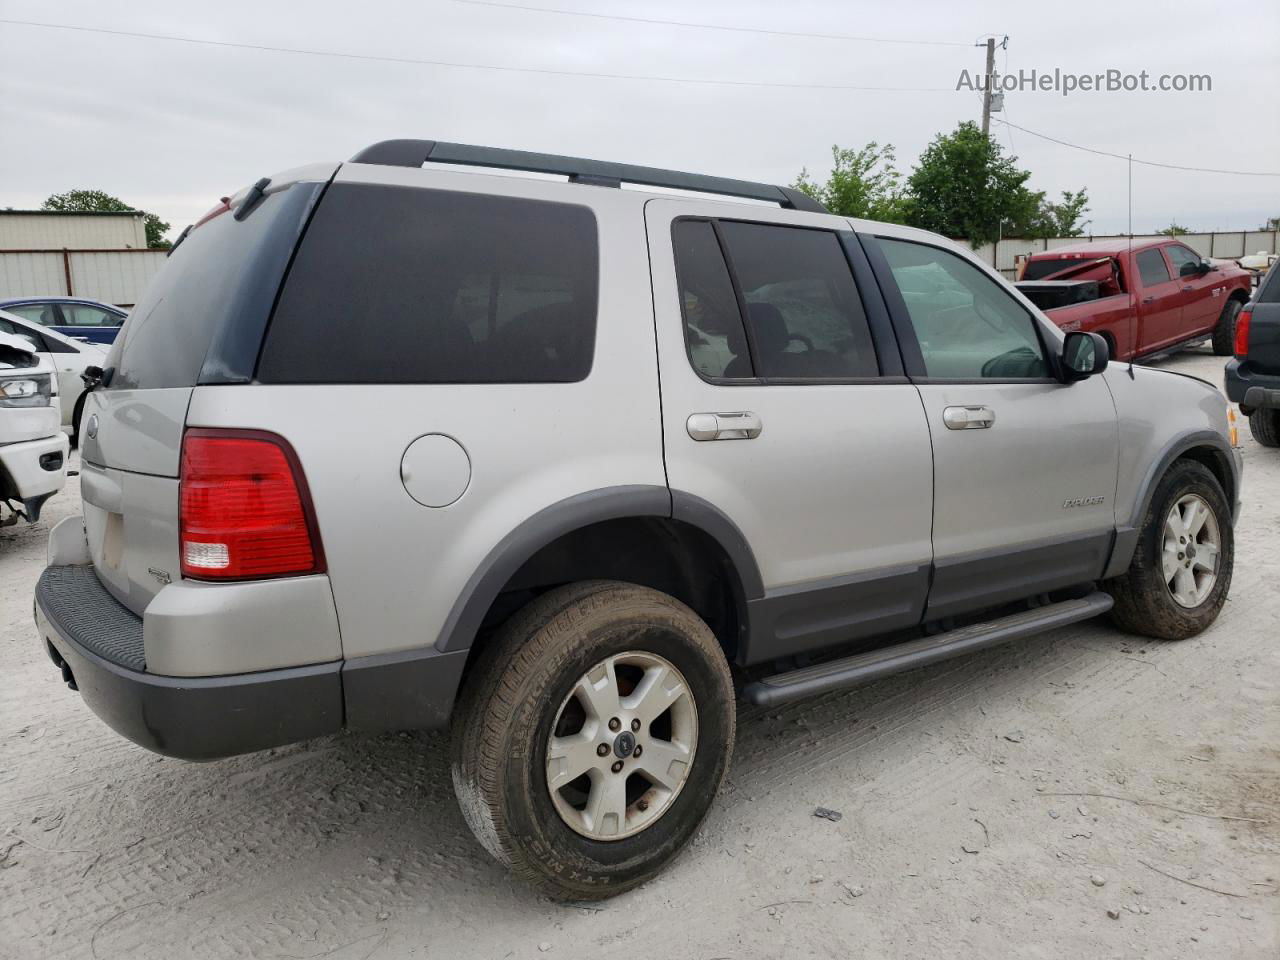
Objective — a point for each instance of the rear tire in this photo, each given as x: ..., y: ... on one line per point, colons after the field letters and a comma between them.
x: 1265, y: 427
x: 557, y: 657
x: 1164, y: 569
x: 1224, y: 334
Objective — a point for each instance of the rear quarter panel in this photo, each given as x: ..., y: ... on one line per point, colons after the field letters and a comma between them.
x: 396, y: 566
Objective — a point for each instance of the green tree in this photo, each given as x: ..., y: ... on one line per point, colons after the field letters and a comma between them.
x: 1174, y: 230
x: 95, y: 201
x: 1064, y: 219
x: 863, y: 183
x: 965, y: 187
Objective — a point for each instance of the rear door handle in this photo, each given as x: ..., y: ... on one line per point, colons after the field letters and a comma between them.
x: 743, y: 425
x: 1187, y: 289
x: 1149, y: 300
x: 968, y: 418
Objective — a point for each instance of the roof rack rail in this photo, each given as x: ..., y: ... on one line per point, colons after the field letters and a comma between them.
x: 414, y: 153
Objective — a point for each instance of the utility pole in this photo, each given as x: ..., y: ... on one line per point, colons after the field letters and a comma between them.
x: 986, y: 89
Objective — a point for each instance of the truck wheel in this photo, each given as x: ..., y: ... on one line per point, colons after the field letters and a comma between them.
x: 1224, y: 334
x: 1265, y: 427
x: 592, y: 737
x: 1181, y: 570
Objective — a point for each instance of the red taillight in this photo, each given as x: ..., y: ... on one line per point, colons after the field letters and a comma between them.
x: 245, y: 509
x: 1242, y: 332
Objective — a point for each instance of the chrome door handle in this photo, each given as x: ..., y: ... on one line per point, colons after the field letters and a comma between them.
x: 968, y: 418
x: 743, y: 425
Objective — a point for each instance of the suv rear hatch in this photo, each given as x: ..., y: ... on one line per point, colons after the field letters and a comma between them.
x: 200, y: 321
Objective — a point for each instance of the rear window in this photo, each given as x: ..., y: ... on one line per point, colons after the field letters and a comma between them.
x: 406, y: 285
x: 216, y: 288
x: 1269, y: 292
x: 1039, y: 269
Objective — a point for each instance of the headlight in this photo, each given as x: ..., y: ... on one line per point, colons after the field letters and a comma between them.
x: 29, y: 391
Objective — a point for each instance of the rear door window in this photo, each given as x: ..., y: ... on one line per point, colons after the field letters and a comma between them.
x: 713, y: 331
x: 804, y: 319
x: 408, y: 285
x: 803, y: 310
x: 1152, y: 268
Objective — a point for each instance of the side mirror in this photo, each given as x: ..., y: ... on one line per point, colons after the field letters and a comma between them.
x: 92, y: 376
x: 1083, y: 355
x: 1205, y: 267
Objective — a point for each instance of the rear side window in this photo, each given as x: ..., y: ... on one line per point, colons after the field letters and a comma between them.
x: 406, y: 285
x: 1152, y: 268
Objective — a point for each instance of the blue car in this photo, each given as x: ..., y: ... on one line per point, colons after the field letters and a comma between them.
x: 70, y: 316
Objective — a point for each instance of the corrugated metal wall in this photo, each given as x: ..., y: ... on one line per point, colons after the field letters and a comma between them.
x: 32, y: 274
x: 1225, y: 246
x: 21, y: 230
x: 111, y: 276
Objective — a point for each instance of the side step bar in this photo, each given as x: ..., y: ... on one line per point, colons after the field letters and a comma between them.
x: 838, y: 674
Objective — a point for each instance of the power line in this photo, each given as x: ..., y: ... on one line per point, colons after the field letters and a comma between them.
x: 264, y: 48
x: 1147, y: 163
x: 708, y: 26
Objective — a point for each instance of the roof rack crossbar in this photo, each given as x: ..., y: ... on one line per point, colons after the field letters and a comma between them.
x: 414, y: 153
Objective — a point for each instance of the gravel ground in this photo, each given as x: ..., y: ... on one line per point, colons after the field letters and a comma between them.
x: 1081, y: 794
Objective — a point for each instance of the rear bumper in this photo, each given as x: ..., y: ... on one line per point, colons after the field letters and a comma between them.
x: 97, y: 643
x: 1247, y: 387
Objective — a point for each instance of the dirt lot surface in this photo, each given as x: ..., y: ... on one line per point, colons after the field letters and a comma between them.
x: 1083, y: 794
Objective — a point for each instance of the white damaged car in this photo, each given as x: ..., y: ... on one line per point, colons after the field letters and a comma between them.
x: 33, y: 448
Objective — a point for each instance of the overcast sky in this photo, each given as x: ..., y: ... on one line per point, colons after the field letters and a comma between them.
x: 170, y: 127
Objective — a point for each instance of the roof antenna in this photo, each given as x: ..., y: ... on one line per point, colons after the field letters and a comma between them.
x: 1133, y: 303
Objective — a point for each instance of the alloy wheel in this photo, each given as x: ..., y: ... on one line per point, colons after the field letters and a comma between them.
x: 622, y: 746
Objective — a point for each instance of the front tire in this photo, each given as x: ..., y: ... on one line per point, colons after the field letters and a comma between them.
x: 1181, y: 570
x: 592, y: 738
x: 1224, y: 334
x: 1265, y: 427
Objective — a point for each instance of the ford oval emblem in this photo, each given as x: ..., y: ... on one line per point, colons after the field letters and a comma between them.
x: 92, y: 427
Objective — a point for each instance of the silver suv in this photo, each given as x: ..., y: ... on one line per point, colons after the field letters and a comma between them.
x: 405, y: 443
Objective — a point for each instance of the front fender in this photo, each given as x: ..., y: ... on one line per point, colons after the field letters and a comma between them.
x: 1162, y: 416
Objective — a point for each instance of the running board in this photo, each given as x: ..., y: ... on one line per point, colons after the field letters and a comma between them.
x: 850, y: 671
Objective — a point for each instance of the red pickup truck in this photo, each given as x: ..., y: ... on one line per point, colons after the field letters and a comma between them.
x: 1143, y: 299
